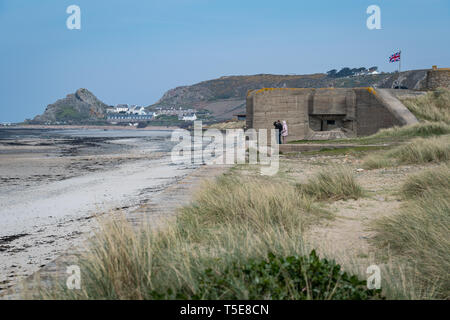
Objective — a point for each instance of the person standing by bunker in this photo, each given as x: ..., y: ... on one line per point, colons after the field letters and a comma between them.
x: 278, y: 126
x: 284, y: 131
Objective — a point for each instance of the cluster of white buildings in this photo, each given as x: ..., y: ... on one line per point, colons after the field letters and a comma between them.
x: 365, y: 73
x: 126, y: 109
x: 125, y: 112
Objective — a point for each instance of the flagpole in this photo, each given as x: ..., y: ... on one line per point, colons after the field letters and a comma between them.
x: 400, y: 62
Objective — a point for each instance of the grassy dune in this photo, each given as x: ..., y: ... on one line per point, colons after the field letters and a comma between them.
x: 434, y: 106
x: 240, y: 239
x: 435, y: 179
x: 392, y: 135
x: 423, y: 129
x: 418, y: 151
x: 419, y: 234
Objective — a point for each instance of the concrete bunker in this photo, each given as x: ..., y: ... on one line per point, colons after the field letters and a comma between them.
x: 326, y: 113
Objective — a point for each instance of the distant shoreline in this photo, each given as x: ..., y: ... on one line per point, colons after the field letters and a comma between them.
x: 78, y: 127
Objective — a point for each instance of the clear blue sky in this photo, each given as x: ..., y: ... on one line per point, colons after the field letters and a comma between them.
x: 130, y: 51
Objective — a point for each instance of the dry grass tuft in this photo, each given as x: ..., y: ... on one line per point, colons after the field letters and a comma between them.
x: 418, y: 151
x: 430, y: 180
x: 333, y: 183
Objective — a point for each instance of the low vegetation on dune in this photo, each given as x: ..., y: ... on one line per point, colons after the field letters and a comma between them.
x: 418, y: 235
x: 422, y: 129
x: 433, y: 106
x: 392, y: 135
x: 376, y: 161
x: 418, y: 151
x: 423, y: 150
x: 294, y: 277
x: 434, y: 179
x: 333, y: 183
x: 240, y: 239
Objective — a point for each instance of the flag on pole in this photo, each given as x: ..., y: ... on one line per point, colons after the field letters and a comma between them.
x: 395, y: 57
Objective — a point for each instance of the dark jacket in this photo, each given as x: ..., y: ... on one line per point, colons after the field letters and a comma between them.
x: 278, y: 126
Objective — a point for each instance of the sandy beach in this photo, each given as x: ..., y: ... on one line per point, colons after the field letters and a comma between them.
x: 53, y: 183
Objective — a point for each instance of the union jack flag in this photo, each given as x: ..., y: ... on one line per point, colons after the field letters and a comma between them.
x: 395, y: 57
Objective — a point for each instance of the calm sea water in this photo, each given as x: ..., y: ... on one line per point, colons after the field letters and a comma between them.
x: 12, y: 133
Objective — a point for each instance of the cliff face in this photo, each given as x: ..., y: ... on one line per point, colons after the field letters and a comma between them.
x: 226, y: 96
x: 82, y: 106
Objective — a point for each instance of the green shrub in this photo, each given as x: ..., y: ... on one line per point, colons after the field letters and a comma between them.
x: 293, y: 277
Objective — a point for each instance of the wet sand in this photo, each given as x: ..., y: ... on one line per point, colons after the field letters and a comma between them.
x: 53, y: 184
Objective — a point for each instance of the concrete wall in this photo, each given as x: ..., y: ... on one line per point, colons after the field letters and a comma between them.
x: 357, y: 111
x: 266, y: 106
x: 327, y: 101
x: 438, y: 78
x: 371, y: 114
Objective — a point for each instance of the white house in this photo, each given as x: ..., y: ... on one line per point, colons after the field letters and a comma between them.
x: 124, y: 108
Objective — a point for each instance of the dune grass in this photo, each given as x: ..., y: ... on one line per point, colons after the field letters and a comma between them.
x: 388, y: 135
x: 234, y: 224
x: 333, y: 183
x: 422, y: 129
x: 433, y: 106
x: 436, y: 149
x: 377, y: 161
x: 418, y: 151
x: 434, y: 179
x: 419, y: 236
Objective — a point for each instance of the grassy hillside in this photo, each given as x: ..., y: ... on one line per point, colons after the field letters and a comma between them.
x: 226, y: 96
x: 80, y: 107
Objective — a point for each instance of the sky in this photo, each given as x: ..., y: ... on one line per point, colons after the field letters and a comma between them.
x: 130, y: 51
